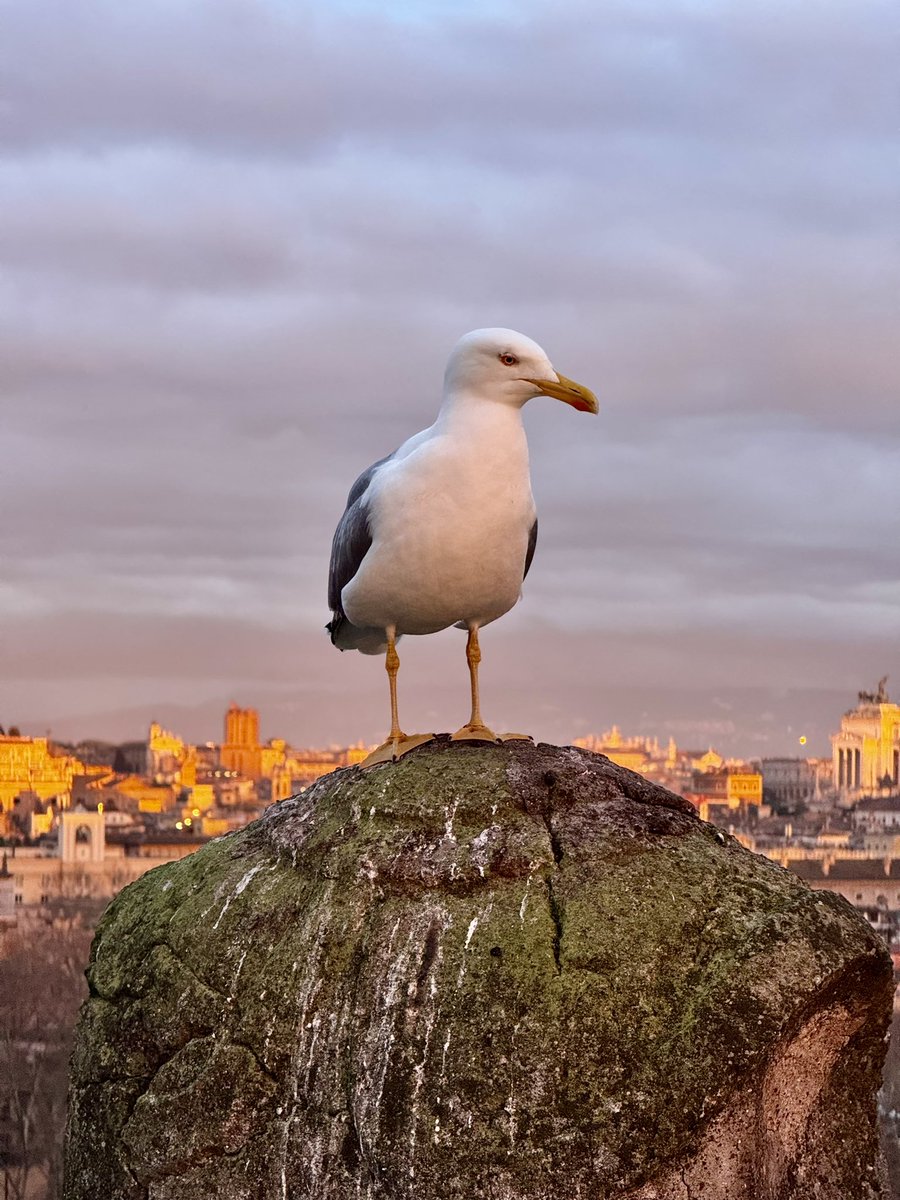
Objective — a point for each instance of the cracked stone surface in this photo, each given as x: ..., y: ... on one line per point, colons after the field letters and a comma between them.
x: 507, y: 972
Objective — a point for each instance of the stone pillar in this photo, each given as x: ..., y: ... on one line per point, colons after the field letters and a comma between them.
x: 518, y: 972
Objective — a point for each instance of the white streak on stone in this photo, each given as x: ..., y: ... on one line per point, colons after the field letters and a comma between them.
x: 419, y: 1076
x: 237, y: 891
x: 240, y: 965
x: 444, y: 1057
x: 473, y: 925
x: 524, y: 903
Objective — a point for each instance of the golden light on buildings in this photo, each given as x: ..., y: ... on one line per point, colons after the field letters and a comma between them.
x: 29, y: 764
x: 866, y: 751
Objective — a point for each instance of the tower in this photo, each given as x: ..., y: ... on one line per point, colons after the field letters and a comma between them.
x: 82, y: 836
x: 241, y: 749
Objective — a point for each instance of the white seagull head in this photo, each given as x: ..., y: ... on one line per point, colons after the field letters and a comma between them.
x: 505, y: 366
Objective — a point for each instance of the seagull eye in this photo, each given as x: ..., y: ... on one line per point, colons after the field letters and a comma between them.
x: 509, y: 359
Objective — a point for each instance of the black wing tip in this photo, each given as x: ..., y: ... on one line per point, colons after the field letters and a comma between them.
x: 333, y: 628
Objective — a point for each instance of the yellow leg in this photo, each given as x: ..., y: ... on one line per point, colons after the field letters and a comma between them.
x: 475, y: 730
x: 473, y: 658
x: 397, y: 743
x: 392, y: 666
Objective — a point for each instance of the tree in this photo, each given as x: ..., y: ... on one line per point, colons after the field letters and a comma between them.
x: 41, y: 987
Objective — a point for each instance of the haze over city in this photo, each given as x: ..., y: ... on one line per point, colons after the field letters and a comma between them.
x: 239, y: 240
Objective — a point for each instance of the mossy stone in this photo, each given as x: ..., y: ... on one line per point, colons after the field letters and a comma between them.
x: 513, y: 972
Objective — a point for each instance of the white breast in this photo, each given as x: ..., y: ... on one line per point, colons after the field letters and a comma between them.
x: 450, y: 519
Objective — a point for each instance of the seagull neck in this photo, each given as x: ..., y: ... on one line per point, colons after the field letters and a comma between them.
x: 469, y: 412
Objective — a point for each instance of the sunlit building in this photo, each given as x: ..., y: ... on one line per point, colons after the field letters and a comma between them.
x: 866, y: 750
x: 28, y: 764
x: 726, y: 795
x: 166, y: 755
x: 703, y: 776
x: 634, y: 753
x: 132, y: 793
x: 275, y: 767
x: 306, y: 766
x: 241, y: 750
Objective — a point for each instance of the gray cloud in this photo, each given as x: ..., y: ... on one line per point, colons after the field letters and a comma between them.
x: 240, y: 238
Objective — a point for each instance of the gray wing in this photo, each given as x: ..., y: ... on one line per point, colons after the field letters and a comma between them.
x: 351, y: 543
x: 532, y: 542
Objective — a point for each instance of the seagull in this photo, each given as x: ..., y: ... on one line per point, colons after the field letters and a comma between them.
x: 442, y: 532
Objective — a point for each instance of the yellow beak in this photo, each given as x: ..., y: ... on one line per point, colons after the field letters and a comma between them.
x: 569, y: 392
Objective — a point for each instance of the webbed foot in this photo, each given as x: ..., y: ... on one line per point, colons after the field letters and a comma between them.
x: 395, y: 748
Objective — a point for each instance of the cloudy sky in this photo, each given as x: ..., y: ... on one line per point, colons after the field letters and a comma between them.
x: 239, y: 238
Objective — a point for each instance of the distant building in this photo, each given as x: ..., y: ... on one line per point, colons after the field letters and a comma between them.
x: 870, y: 884
x: 723, y: 791
x: 734, y: 788
x: 133, y: 794
x: 200, y: 796
x: 241, y: 751
x: 866, y: 750
x: 90, y: 829
x: 29, y: 764
x: 875, y: 814
x: 728, y: 797
x: 306, y: 766
x: 274, y: 767
x: 633, y: 753
x: 75, y: 868
x: 881, y: 843
x: 789, y: 784
x: 218, y: 821
x: 166, y: 754
x: 82, y: 837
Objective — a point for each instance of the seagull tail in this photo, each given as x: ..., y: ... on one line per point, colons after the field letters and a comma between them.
x: 347, y: 636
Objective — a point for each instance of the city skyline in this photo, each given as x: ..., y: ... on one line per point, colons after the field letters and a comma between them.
x: 239, y: 242
x: 202, y: 725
